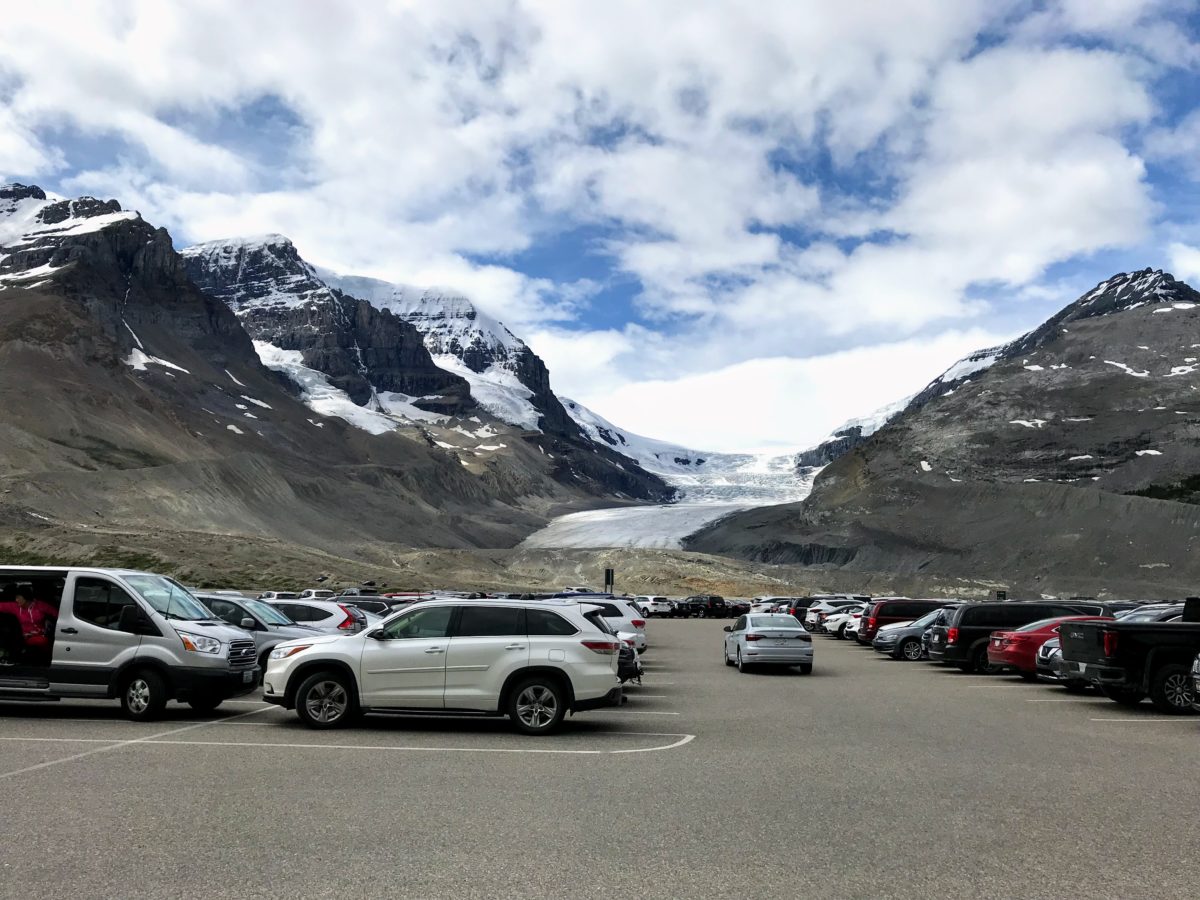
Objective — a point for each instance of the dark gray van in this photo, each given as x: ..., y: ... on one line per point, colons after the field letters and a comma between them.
x: 962, y: 639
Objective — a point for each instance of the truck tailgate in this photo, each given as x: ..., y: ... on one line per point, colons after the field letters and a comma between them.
x: 1083, y: 641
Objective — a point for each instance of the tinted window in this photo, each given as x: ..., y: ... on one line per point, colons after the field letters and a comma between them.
x: 100, y: 602
x: 774, y: 622
x: 740, y: 624
x: 544, y: 622
x: 225, y: 610
x: 491, y: 621
x: 421, y: 623
x: 315, y: 614
x: 608, y: 610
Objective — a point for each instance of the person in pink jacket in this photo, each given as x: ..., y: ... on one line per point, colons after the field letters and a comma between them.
x: 35, y: 618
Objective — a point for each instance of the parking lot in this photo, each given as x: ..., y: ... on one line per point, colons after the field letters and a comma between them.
x: 868, y: 778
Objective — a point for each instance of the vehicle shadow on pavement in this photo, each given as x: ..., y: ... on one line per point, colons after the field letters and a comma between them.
x: 52, y: 712
x: 419, y: 724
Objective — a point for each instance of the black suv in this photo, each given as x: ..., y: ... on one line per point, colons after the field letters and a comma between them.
x: 962, y: 640
x: 706, y: 606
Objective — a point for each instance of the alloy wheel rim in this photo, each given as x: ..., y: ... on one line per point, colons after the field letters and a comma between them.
x: 1177, y: 691
x: 537, y: 706
x: 327, y: 701
x: 912, y: 650
x: 138, y: 695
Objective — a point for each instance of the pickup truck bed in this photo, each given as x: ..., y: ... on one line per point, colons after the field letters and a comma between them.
x: 1129, y: 661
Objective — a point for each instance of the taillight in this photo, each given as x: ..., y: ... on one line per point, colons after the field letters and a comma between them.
x: 951, y: 635
x: 1110, y: 643
x: 638, y: 623
x: 872, y: 623
x: 349, y: 621
x: 754, y: 637
x: 605, y: 648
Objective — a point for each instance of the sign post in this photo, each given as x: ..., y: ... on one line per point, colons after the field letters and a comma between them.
x: 609, y: 581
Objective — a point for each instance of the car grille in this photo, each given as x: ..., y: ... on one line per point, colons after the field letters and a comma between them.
x: 242, y: 655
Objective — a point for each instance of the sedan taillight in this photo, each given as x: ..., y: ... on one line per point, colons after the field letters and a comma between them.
x: 638, y: 623
x: 754, y: 637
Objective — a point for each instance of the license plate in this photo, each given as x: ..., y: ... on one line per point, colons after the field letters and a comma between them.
x: 935, y: 640
x: 783, y: 643
x: 247, y: 677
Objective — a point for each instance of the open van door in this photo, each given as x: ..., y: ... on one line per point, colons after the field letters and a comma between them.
x: 100, y: 627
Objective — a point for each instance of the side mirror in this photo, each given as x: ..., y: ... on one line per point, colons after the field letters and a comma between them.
x: 132, y: 620
x: 728, y: 628
x: 377, y: 635
x: 248, y: 623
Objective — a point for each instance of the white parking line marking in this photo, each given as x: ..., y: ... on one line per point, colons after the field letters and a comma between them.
x: 634, y: 712
x: 115, y: 745
x: 683, y: 739
x: 1180, y: 719
x: 1059, y: 699
x: 650, y: 696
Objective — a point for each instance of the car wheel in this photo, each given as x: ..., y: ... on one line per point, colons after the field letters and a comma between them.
x: 537, y: 706
x: 205, y: 704
x: 725, y: 653
x: 742, y: 665
x: 911, y: 650
x: 841, y: 632
x: 703, y: 614
x: 805, y: 668
x: 1171, y: 689
x: 1124, y: 696
x: 324, y: 700
x: 1028, y: 676
x: 144, y: 696
x: 980, y: 661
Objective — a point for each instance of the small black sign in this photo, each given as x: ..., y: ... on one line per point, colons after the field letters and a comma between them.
x: 609, y: 580
x: 1191, y: 609
x: 1001, y: 595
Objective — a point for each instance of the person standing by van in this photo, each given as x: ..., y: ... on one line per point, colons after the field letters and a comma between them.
x: 36, y: 619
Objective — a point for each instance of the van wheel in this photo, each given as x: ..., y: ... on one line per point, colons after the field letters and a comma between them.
x: 1171, y: 689
x: 980, y: 661
x: 205, y: 704
x: 537, y: 706
x: 144, y: 696
x: 323, y: 700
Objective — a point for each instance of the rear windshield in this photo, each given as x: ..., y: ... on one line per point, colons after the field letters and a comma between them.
x: 596, y: 617
x: 774, y: 622
x: 1040, y: 623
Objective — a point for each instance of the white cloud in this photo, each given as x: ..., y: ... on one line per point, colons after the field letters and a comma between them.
x: 805, y: 177
x: 1185, y: 262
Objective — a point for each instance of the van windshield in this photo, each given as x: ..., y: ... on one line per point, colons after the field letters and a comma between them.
x: 169, y: 598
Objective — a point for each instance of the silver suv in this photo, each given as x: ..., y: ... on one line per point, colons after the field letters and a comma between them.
x: 533, y: 661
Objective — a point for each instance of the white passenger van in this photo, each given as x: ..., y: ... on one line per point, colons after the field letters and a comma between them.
x: 122, y: 634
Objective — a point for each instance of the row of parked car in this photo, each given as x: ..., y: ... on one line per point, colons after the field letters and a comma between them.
x: 1128, y: 650
x: 145, y: 639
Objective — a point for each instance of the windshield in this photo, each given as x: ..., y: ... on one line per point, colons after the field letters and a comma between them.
x: 267, y: 612
x: 169, y: 598
x: 774, y: 622
x: 1150, y: 615
x: 928, y: 619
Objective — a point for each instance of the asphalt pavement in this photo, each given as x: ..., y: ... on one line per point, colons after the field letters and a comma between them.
x: 867, y: 778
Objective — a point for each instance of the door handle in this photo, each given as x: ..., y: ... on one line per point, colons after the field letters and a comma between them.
x: 433, y: 649
x: 69, y: 630
x: 515, y: 647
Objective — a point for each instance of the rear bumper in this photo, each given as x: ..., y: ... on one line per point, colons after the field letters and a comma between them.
x: 952, y: 654
x: 791, y: 656
x: 612, y: 698
x: 191, y: 681
x: 1095, y: 673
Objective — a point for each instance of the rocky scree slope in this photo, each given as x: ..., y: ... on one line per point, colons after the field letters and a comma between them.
x: 136, y: 403
x: 385, y: 356
x: 1023, y: 460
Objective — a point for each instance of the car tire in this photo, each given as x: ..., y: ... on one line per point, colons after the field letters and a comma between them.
x: 841, y: 632
x: 205, y: 704
x: 725, y: 653
x: 980, y: 663
x: 537, y: 705
x: 1124, y: 696
x: 143, y: 695
x: 1171, y: 689
x: 325, y: 700
x: 1075, y: 687
x: 805, y: 668
x: 1028, y: 676
x: 703, y: 614
x: 742, y: 665
x: 910, y: 650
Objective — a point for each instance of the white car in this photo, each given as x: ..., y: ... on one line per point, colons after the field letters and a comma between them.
x: 272, y: 596
x: 533, y: 661
x: 621, y: 615
x: 776, y: 639
x: 579, y: 589
x: 812, y: 618
x: 763, y: 606
x: 851, y: 632
x: 836, y: 623
x: 653, y: 606
x: 315, y: 594
x: 326, y: 616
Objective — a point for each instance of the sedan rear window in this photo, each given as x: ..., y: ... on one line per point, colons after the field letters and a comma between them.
x: 774, y: 622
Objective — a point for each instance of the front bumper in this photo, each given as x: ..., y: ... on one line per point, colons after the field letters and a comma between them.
x: 612, y: 698
x: 196, y: 681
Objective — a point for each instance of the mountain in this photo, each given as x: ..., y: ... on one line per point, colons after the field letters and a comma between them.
x: 850, y: 434
x: 383, y: 356
x: 140, y: 414
x: 1034, y: 460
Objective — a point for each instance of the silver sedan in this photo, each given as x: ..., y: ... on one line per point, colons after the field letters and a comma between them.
x: 759, y: 640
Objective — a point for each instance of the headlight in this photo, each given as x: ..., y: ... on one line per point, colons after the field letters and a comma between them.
x: 285, y: 652
x: 198, y: 643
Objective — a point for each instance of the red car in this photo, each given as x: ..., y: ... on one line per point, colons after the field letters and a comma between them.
x: 1018, y: 649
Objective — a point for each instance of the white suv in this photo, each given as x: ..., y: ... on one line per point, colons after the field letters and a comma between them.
x: 622, y: 615
x: 531, y: 661
x: 654, y: 606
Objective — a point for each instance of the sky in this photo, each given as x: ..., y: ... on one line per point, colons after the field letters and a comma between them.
x: 725, y: 224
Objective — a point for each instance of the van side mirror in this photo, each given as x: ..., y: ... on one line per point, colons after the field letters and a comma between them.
x: 132, y: 620
x: 248, y: 623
